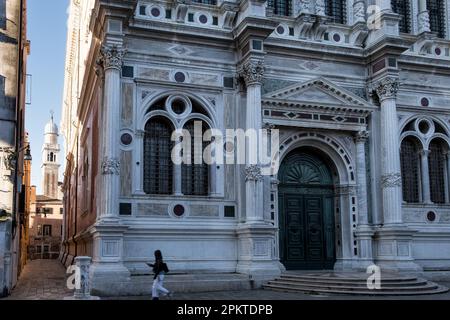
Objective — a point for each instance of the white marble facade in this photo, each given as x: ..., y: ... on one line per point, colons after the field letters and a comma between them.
x: 347, y: 90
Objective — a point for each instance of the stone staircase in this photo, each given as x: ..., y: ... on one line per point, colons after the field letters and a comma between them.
x: 352, y: 284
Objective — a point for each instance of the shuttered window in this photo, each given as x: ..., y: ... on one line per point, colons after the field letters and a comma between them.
x: 436, y: 163
x: 410, y: 162
x: 158, y: 167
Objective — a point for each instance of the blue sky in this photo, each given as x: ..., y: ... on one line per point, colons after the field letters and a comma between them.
x: 47, y: 29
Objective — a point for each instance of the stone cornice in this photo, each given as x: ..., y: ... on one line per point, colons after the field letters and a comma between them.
x: 329, y: 108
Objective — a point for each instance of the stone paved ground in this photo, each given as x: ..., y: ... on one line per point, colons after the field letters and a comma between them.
x: 46, y: 280
x: 41, y: 280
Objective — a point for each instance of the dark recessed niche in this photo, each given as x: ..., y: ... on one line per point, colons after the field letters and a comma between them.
x: 126, y: 139
x: 228, y: 82
x: 127, y: 72
x: 155, y: 12
x: 190, y: 17
x: 168, y: 14
x: 142, y: 10
x: 291, y: 31
x: 215, y: 21
x: 125, y: 209
x: 180, y: 77
x: 178, y: 210
x: 424, y: 102
x: 431, y: 216
x: 229, y: 212
x: 336, y: 37
x: 392, y: 62
x: 203, y: 19
x: 326, y: 36
x: 257, y: 45
x: 280, y: 30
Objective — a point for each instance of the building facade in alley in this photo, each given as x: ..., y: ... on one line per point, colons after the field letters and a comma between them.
x: 357, y: 89
x: 46, y: 218
x: 14, y: 149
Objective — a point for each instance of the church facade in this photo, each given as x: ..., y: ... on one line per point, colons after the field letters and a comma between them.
x: 357, y: 92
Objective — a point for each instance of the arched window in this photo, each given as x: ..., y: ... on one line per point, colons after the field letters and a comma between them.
x: 280, y: 7
x: 158, y: 167
x: 195, y: 175
x: 436, y: 163
x: 409, y: 158
x: 336, y: 9
x: 403, y: 9
x: 436, y: 11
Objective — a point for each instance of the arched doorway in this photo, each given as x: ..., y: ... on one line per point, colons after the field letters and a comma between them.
x: 306, y: 206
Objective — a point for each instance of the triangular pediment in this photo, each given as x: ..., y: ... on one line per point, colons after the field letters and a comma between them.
x: 318, y: 91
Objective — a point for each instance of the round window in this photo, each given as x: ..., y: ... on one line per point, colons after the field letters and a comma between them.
x: 438, y: 51
x: 155, y: 12
x: 126, y: 139
x: 203, y: 19
x: 424, y: 102
x: 178, y: 106
x: 280, y: 30
x: 178, y: 210
x: 424, y: 127
x: 180, y: 77
x: 336, y: 37
x: 431, y: 216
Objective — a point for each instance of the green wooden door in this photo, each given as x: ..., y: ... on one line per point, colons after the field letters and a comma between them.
x: 306, y: 213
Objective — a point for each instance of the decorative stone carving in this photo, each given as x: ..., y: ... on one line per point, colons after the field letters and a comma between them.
x: 268, y: 126
x: 424, y: 21
x: 361, y: 136
x: 253, y: 173
x: 387, y: 88
x: 305, y: 24
x: 391, y: 180
x: 110, y: 166
x: 111, y: 57
x: 229, y: 11
x: 253, y: 72
x: 320, y: 7
x: 181, y: 8
x: 359, y: 11
x: 303, y: 6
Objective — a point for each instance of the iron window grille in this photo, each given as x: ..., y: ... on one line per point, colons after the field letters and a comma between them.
x: 436, y: 11
x: 336, y: 9
x: 409, y: 157
x: 280, y: 7
x: 436, y: 164
x: 403, y: 9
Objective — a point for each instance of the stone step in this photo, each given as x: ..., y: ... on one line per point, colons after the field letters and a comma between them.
x: 350, y: 277
x: 352, y: 283
x: 339, y: 282
x: 437, y: 290
x: 426, y: 286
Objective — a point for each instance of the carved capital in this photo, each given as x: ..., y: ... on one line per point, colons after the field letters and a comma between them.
x: 387, y: 88
x: 111, y: 57
x: 110, y: 166
x: 253, y: 173
x: 391, y: 180
x: 361, y: 136
x: 252, y: 72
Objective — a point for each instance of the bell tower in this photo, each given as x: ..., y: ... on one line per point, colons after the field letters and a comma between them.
x: 50, y: 160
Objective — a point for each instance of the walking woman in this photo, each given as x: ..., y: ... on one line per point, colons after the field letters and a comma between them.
x: 160, y: 269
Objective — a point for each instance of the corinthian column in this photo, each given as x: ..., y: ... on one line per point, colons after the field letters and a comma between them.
x: 391, y: 183
x: 252, y: 72
x: 364, y: 232
x: 111, y: 60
